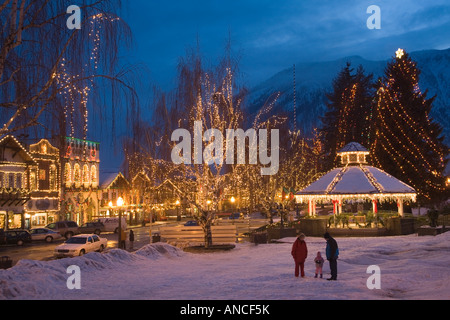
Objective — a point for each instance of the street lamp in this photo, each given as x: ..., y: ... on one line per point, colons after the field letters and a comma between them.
x: 178, y: 210
x: 233, y: 206
x: 120, y: 204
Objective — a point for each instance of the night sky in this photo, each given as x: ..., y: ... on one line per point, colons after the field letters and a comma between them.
x: 270, y: 36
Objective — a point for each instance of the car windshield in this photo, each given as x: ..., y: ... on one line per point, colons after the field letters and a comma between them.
x: 76, y: 240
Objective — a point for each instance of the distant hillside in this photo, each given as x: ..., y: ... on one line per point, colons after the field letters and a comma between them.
x: 313, y: 80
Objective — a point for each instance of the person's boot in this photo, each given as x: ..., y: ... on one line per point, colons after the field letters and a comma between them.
x: 315, y: 276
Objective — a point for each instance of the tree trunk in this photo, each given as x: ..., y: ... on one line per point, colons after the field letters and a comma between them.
x: 208, y: 235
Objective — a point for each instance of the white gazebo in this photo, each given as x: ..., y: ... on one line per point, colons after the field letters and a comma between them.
x: 355, y: 180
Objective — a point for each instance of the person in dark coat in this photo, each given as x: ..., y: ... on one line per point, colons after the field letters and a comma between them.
x: 332, y: 252
x: 131, y: 239
x: 299, y: 253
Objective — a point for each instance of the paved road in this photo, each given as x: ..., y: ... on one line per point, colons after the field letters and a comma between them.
x: 44, y: 251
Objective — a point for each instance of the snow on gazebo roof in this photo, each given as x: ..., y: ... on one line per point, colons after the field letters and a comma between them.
x: 356, y: 180
x: 353, y: 147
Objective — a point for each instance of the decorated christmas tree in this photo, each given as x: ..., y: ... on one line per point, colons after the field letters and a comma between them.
x: 349, y: 113
x: 407, y: 142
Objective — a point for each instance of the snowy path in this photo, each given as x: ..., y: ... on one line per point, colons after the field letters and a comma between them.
x: 411, y: 268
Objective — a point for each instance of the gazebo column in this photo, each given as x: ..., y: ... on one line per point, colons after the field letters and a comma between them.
x: 310, y: 209
x: 375, y: 206
x: 400, y: 207
x: 337, y: 207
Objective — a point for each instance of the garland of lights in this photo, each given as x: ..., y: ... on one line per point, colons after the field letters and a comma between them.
x: 387, y: 127
x: 73, y: 88
x: 390, y: 106
x: 410, y: 123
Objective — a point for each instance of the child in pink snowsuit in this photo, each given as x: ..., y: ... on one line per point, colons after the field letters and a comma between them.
x: 318, y: 260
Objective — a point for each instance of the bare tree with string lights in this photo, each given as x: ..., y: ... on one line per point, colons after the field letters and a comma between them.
x: 48, y: 72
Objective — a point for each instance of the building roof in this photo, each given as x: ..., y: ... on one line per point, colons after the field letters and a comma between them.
x: 108, y: 180
x: 353, y: 147
x: 11, y: 142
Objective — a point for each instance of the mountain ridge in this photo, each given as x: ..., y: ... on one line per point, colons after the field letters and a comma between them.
x: 314, y: 80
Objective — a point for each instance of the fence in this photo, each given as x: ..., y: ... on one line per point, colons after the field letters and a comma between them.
x: 220, y: 234
x: 242, y: 225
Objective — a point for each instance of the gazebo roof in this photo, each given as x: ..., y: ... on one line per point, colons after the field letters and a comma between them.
x: 353, y: 147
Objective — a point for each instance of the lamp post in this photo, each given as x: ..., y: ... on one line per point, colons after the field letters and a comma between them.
x: 178, y: 210
x: 233, y: 200
x: 120, y: 204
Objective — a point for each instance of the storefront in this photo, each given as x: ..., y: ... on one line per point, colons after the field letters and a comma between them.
x: 10, y: 220
x: 18, y: 172
x: 80, y: 177
x: 41, y: 212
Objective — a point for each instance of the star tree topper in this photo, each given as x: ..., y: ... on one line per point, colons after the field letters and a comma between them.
x: 400, y: 53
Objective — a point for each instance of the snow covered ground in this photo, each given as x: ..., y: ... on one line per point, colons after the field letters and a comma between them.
x: 411, y: 268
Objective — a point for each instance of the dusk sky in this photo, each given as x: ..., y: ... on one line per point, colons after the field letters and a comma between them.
x: 270, y: 36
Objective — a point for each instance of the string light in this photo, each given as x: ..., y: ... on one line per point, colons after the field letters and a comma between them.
x: 399, y: 133
x: 75, y: 88
x: 380, y: 194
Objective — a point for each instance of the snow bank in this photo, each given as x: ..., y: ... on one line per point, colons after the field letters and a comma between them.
x: 159, y: 250
x: 411, y: 268
x: 41, y: 279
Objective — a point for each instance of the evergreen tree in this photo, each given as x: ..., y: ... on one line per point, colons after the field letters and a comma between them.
x: 349, y: 113
x: 407, y: 142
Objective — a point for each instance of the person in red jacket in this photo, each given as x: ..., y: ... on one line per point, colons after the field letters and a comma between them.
x: 299, y: 253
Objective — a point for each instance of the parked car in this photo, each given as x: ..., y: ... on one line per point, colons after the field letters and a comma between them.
x: 80, y: 244
x: 236, y: 215
x: 92, y: 227
x: 18, y: 237
x: 65, y: 228
x: 191, y: 223
x: 112, y: 224
x: 48, y: 235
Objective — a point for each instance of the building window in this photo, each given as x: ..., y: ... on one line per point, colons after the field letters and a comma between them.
x: 67, y: 174
x: 42, y: 174
x: 77, y: 175
x: 86, y: 176
x: 33, y: 181
x: 11, y: 180
x: 19, y: 181
x: 94, y: 176
x: 52, y: 178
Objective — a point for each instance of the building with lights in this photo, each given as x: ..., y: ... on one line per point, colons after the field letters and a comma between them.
x: 80, y: 163
x: 18, y: 177
x: 112, y: 187
x: 141, y: 194
x: 44, y: 205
